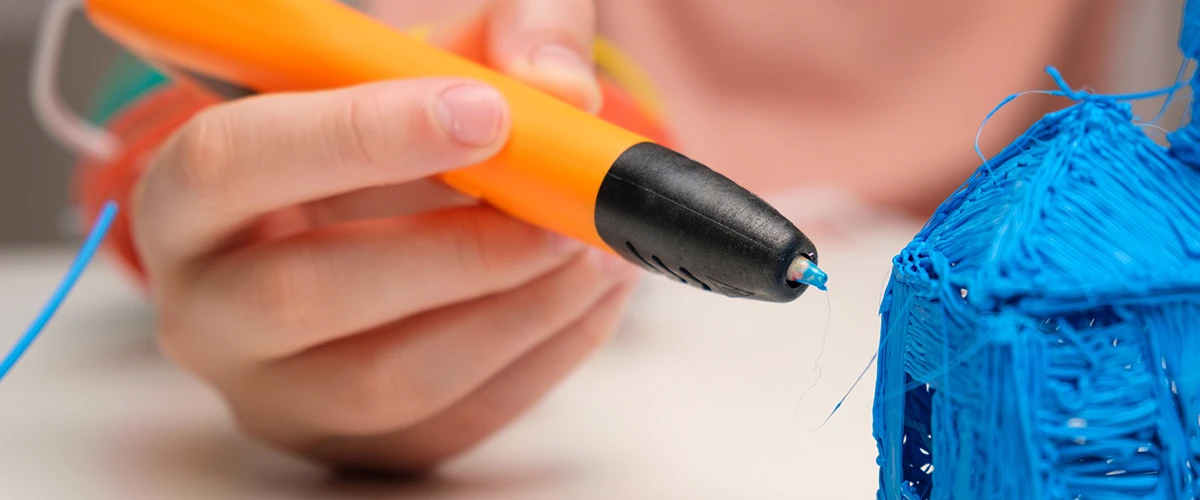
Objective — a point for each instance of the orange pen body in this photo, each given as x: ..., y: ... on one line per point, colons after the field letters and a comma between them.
x: 562, y: 169
x: 548, y: 174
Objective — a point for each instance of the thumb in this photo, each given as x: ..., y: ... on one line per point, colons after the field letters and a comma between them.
x: 544, y: 43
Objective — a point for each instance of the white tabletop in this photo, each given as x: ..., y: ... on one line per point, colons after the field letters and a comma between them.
x: 696, y: 398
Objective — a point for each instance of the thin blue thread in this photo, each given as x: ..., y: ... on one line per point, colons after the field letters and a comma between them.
x: 1065, y: 90
x: 817, y: 365
x: 90, y: 246
x: 817, y: 362
x: 850, y: 391
x: 1180, y: 79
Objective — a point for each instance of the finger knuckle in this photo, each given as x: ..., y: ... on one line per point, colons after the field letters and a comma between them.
x: 492, y: 245
x: 573, y: 24
x: 360, y: 129
x: 545, y: 320
x: 593, y: 338
x: 177, y: 340
x: 260, y: 417
x: 598, y: 326
x: 289, y: 290
x: 204, y: 156
x: 247, y: 417
x: 383, y: 397
x: 586, y: 13
x: 171, y: 335
x: 470, y: 241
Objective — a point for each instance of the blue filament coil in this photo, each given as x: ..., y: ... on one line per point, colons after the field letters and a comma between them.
x: 1041, y: 334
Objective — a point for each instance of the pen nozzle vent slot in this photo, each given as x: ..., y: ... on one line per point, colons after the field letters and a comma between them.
x: 656, y: 264
x: 673, y: 216
x: 650, y: 267
x: 694, y: 280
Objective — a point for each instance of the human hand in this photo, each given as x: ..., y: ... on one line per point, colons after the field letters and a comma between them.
x: 303, y: 268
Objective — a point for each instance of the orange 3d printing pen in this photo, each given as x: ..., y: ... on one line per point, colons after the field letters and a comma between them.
x: 563, y: 169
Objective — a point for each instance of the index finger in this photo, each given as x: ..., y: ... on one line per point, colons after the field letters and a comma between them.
x: 234, y: 163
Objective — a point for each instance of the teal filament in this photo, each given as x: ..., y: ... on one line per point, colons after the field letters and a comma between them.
x: 1041, y: 334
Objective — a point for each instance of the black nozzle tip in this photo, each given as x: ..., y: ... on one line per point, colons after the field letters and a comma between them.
x: 674, y: 216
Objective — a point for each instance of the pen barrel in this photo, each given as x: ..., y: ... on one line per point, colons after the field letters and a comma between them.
x: 548, y: 173
x: 562, y: 169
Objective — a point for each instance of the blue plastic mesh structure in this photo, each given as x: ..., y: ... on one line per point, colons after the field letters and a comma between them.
x: 1041, y: 334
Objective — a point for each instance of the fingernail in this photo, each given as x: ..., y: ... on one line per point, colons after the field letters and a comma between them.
x: 558, y: 58
x: 471, y: 114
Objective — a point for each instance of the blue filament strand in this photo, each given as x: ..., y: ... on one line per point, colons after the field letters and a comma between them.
x: 90, y: 246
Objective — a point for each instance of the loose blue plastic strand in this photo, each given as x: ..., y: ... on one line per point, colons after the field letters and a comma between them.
x: 1180, y: 79
x: 1065, y: 90
x: 89, y: 249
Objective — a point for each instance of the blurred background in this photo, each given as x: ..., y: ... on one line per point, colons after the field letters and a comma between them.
x: 118, y: 417
x: 35, y: 173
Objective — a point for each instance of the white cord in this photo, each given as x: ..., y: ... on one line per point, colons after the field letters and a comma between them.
x: 52, y: 112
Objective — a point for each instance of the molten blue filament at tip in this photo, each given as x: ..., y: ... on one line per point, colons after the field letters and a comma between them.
x: 814, y: 277
x: 806, y: 271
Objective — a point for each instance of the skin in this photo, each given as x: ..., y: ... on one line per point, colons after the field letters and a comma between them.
x: 339, y: 327
x: 351, y: 311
